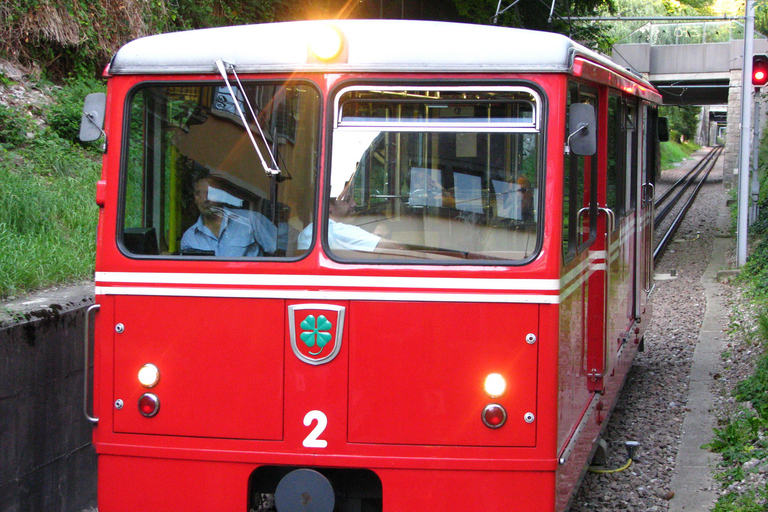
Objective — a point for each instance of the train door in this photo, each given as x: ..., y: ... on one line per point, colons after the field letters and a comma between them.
x: 601, y: 219
x: 620, y: 260
x: 580, y: 308
x: 647, y: 139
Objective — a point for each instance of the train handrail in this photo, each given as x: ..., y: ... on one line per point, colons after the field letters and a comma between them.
x: 611, y: 224
x: 86, y: 346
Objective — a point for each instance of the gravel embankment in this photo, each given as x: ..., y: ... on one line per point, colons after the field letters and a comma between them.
x: 653, y: 403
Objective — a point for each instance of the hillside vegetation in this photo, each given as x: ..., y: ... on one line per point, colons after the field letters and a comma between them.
x: 47, y: 211
x: 77, y: 37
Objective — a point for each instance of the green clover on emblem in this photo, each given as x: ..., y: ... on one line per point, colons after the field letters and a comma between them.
x: 316, y: 332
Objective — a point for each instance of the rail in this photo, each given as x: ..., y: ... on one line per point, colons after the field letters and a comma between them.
x: 705, y: 165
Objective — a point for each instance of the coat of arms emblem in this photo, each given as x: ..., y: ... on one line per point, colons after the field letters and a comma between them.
x: 316, y: 331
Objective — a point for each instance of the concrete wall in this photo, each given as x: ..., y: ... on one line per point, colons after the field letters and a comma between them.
x: 47, y: 462
x: 681, y: 61
x: 690, y: 59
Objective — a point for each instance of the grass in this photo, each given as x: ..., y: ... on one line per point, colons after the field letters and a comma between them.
x: 47, y: 211
x: 674, y: 152
x: 743, y: 436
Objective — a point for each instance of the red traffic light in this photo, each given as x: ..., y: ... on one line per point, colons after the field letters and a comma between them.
x: 759, y: 70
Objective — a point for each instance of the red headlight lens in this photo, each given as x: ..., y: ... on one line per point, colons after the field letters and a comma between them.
x: 149, y: 404
x: 494, y: 416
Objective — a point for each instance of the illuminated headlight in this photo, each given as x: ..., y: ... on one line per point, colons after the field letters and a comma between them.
x: 149, y: 375
x: 326, y: 42
x: 495, y: 385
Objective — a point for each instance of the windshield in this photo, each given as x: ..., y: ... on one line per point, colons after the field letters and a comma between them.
x: 434, y: 174
x: 194, y: 185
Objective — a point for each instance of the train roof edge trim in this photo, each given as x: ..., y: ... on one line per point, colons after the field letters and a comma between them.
x: 372, y: 46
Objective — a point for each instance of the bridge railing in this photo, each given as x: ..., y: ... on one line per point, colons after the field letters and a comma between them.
x: 700, y: 32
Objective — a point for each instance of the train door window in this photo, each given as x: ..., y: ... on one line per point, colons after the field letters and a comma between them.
x: 653, y: 155
x: 616, y: 178
x: 193, y: 184
x: 579, y: 186
x: 631, y: 143
x: 430, y: 174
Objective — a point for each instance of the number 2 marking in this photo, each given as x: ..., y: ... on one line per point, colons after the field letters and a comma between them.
x: 312, y: 441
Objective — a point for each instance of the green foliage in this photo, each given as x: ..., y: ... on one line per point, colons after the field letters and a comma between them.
x: 674, y: 152
x: 14, y: 126
x: 65, y: 115
x: 761, y: 226
x: 739, y: 439
x: 188, y: 14
x: 755, y: 272
x: 761, y: 16
x: 620, y: 30
x: 78, y: 37
x: 47, y: 222
x: 742, y: 503
x: 683, y: 121
x: 755, y: 388
x: 536, y: 16
x: 744, y: 436
x: 47, y: 212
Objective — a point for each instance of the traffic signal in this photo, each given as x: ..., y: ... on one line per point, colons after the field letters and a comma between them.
x: 759, y: 70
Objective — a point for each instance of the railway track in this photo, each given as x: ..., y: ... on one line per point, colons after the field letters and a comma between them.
x: 679, y: 201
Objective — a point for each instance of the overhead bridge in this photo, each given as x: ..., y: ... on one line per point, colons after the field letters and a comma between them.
x: 695, y: 63
x: 690, y: 63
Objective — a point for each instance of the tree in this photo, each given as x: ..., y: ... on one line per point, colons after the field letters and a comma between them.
x: 546, y: 15
x: 682, y: 120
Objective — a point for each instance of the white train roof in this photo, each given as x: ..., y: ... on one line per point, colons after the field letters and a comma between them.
x: 371, y: 45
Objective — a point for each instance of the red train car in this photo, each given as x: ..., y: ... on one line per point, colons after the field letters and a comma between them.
x: 364, y: 266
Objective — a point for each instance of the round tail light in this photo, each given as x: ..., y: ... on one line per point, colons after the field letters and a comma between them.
x: 149, y: 404
x: 494, y: 416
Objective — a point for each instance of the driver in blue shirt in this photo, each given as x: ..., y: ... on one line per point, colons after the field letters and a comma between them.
x: 224, y: 231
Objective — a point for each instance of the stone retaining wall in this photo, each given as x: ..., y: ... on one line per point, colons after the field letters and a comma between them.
x: 47, y: 462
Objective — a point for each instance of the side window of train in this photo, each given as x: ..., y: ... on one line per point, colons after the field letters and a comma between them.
x: 192, y: 183
x: 579, y: 185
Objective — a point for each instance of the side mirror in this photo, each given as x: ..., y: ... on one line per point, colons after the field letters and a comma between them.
x: 582, y: 127
x: 92, y: 122
x: 662, y: 127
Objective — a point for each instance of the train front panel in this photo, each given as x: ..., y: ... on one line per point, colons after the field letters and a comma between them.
x: 346, y: 289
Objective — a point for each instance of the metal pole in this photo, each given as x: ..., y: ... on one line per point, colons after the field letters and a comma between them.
x: 746, y: 122
x: 754, y: 183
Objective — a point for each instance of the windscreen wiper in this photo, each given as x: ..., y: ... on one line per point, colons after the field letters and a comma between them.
x: 222, y: 67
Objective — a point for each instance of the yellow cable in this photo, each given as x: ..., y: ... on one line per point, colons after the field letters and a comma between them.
x: 593, y: 469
